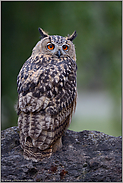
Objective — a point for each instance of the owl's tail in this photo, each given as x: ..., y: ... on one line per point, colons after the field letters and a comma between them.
x: 33, y: 140
x: 34, y: 153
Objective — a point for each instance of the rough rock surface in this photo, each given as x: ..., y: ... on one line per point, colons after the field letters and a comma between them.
x: 87, y: 156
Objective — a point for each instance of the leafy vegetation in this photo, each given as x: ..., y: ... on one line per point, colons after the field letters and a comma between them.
x: 98, y: 44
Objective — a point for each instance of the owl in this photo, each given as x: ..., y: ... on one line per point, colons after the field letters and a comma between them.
x: 47, y: 92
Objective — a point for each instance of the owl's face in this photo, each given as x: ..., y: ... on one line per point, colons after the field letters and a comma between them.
x: 55, y: 46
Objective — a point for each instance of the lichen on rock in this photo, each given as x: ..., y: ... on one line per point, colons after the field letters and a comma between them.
x: 87, y: 156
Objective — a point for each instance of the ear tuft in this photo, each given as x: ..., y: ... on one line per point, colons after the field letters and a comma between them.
x: 43, y: 33
x: 72, y: 37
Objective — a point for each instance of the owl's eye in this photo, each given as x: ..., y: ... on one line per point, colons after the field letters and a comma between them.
x: 65, y: 47
x: 50, y: 46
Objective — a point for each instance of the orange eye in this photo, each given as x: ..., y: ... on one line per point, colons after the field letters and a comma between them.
x: 50, y: 46
x: 65, y: 47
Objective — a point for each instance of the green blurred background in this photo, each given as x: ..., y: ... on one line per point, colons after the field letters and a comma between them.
x: 98, y: 49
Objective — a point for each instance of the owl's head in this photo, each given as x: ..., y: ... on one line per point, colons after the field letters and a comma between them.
x: 55, y: 46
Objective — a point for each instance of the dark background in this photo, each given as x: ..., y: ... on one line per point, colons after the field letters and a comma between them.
x: 98, y: 49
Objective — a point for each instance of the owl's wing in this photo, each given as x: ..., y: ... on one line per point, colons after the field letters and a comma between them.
x: 46, y: 83
x: 47, y: 91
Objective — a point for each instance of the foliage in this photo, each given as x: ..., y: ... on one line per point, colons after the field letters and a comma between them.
x: 98, y: 44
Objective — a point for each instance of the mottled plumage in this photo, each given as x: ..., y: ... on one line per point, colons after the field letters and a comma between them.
x: 47, y: 94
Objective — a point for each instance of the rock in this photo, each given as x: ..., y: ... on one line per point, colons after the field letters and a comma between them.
x: 87, y: 156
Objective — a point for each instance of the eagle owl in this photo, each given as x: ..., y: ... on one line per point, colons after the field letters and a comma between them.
x: 47, y: 93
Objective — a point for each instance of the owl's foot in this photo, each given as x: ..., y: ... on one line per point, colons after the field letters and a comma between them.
x: 57, y: 145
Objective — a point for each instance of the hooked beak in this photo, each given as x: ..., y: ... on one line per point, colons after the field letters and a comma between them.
x: 59, y: 53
